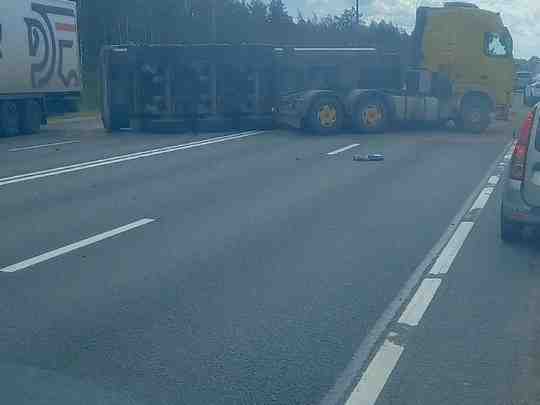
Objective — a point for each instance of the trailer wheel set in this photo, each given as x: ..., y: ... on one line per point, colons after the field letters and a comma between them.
x: 20, y: 117
x: 327, y: 115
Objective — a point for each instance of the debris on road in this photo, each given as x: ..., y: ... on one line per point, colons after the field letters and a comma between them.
x: 372, y: 157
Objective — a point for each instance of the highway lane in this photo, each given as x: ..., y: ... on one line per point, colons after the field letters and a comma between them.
x: 267, y: 263
x: 478, y: 342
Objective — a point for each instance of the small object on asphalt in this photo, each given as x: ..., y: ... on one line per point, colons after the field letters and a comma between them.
x: 371, y: 157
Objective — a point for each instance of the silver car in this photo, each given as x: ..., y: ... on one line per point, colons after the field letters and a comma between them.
x: 532, y: 93
x: 521, y: 195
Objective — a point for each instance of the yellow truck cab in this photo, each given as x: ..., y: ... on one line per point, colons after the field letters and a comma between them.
x: 474, y: 49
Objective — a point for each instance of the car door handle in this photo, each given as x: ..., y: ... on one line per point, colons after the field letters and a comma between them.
x: 484, y: 77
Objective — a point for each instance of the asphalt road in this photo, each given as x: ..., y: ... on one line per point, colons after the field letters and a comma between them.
x: 257, y: 268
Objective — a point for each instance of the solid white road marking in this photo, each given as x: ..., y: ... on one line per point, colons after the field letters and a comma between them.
x: 482, y: 199
x: 121, y: 158
x: 45, y: 145
x: 74, y: 246
x: 420, y: 302
x: 451, y: 250
x: 338, y: 151
x: 494, y: 180
x: 374, y: 378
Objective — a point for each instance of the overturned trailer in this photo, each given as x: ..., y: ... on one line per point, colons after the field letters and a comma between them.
x: 179, y: 87
x: 221, y: 87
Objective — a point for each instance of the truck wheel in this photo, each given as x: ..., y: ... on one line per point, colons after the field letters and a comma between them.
x: 371, y: 115
x: 9, y: 118
x: 326, y: 116
x: 111, y: 123
x: 511, y: 232
x: 475, y: 115
x: 30, y: 117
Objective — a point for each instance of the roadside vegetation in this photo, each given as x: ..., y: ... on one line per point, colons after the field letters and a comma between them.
x: 190, y: 21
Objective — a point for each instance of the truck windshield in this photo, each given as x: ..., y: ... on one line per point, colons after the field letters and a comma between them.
x: 498, y: 44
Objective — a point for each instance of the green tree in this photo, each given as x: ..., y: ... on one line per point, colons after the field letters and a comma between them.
x: 189, y: 21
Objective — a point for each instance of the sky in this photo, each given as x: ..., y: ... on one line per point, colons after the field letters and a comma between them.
x: 521, y: 16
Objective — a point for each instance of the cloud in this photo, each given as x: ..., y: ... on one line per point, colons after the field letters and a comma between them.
x: 521, y: 16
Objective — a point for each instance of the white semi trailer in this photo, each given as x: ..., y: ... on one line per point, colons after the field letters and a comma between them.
x: 39, y: 61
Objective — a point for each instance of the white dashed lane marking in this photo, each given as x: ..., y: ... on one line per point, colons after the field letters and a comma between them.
x: 494, y: 180
x: 451, y: 250
x: 374, y: 379
x: 482, y: 199
x: 25, y: 264
x: 45, y: 145
x: 338, y: 151
x: 420, y: 302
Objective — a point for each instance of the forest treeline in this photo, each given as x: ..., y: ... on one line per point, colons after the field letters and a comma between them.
x: 236, y: 21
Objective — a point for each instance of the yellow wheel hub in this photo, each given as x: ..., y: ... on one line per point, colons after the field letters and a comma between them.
x: 328, y: 115
x: 371, y: 116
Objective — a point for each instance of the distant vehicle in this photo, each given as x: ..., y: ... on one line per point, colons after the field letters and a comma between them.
x: 532, y: 93
x: 462, y: 71
x: 39, y: 61
x: 522, y: 79
x: 521, y: 195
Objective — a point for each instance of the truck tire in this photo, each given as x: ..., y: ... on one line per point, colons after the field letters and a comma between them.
x: 30, y: 117
x: 475, y: 115
x: 370, y: 115
x: 9, y: 118
x: 326, y: 115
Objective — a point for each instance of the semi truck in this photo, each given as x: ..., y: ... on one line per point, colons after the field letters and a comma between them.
x: 39, y: 61
x: 461, y: 70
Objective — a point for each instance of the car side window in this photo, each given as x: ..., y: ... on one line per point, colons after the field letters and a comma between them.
x: 537, y: 133
x: 495, y: 45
